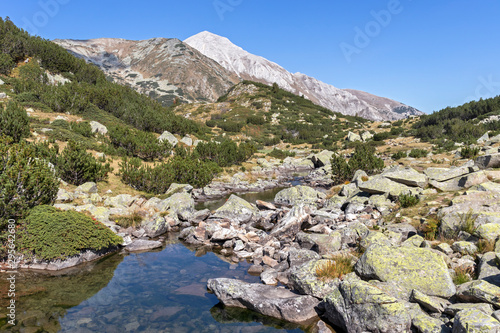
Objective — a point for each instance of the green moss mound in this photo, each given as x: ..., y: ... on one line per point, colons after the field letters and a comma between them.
x: 49, y: 233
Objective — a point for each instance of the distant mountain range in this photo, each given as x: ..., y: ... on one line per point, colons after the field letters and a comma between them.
x: 205, y: 66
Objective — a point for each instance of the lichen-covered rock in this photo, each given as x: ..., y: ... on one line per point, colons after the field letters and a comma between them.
x: 304, y: 279
x: 475, y: 321
x: 290, y: 225
x: 298, y: 195
x: 142, y: 245
x: 374, y: 237
x: 460, y: 183
x: 267, y: 300
x: 407, y: 176
x: 479, y: 291
x: 323, y: 244
x: 169, y: 137
x: 414, y: 241
x: 358, y: 306
x: 334, y: 203
x: 411, y: 268
x: 382, y: 185
x: 488, y: 161
x: 445, y: 248
x: 297, y: 257
x: 98, y: 128
x: 353, y: 137
x: 179, y: 205
x: 444, y: 174
x: 488, y: 268
x: 237, y: 210
x: 321, y: 159
x: 464, y: 248
x: 177, y: 188
x: 353, y: 233
x: 432, y: 304
x: 405, y: 229
x: 89, y: 187
x: 426, y: 324
x: 453, y: 309
x: 489, y: 231
x: 121, y: 200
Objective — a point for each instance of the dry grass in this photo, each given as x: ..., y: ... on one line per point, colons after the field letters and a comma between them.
x: 462, y: 275
x: 126, y: 221
x: 335, y: 268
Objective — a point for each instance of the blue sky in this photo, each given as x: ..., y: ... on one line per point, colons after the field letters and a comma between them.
x: 427, y: 54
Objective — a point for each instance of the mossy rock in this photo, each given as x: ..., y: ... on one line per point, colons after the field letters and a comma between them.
x: 48, y: 234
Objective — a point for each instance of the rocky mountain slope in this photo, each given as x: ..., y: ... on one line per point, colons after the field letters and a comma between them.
x: 251, y: 67
x: 161, y: 68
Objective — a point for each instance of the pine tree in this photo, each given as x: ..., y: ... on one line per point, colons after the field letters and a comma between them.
x: 14, y: 122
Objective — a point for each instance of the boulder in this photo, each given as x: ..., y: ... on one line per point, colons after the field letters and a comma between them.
x: 169, y: 137
x: 142, y: 245
x: 443, y: 174
x: 488, y: 161
x: 290, y: 225
x: 121, y: 200
x: 179, y: 205
x: 176, y: 188
x: 414, y: 241
x: 298, y: 195
x: 156, y: 226
x: 489, y: 231
x: 187, y: 141
x: 98, y: 128
x: 407, y: 176
x: 353, y: 137
x: 298, y: 163
x: 382, y: 185
x: 270, y: 301
x: 431, y: 304
x: 411, y: 268
x: 453, y: 309
x: 357, y: 306
x: 304, y: 280
x: 405, y: 229
x: 323, y: 244
x: 464, y: 248
x: 374, y: 237
x: 365, y: 136
x: 89, y: 187
x: 322, y: 159
x: 488, y: 269
x: 237, y: 210
x: 297, y: 257
x: 488, y: 186
x: 460, y: 183
x: 479, y: 291
x: 475, y: 321
x: 64, y: 196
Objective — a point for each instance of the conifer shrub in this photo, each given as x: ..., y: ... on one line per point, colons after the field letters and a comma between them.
x: 408, y: 200
x: 6, y: 63
x: 363, y: 159
x: 281, y: 154
x: 417, y: 153
x: 76, y: 166
x: 469, y: 152
x: 138, y: 143
x: 225, y: 153
x: 14, y: 122
x: 83, y: 128
x: 256, y: 120
x: 399, y: 155
x: 48, y: 233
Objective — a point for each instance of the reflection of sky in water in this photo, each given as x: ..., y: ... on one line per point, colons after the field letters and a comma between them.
x: 164, y: 292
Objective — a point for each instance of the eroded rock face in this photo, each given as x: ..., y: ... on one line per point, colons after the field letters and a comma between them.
x: 357, y: 306
x: 291, y: 223
x: 304, y: 279
x: 473, y: 320
x: 410, y: 267
x: 237, y: 210
x: 479, y: 291
x: 267, y: 300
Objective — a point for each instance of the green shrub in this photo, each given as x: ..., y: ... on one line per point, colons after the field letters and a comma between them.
x: 83, y: 128
x: 157, y: 179
x: 14, y: 122
x: 281, y: 154
x: 469, y: 152
x: 76, y: 166
x: 6, y: 63
x: 363, y: 159
x: 256, y: 120
x: 417, y: 153
x: 395, y: 131
x: 230, y: 126
x: 408, y: 200
x: 399, y: 155
x: 381, y: 136
x: 225, y: 153
x: 138, y: 143
x: 49, y: 234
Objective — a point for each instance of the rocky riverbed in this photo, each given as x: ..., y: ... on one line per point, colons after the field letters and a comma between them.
x: 401, y: 280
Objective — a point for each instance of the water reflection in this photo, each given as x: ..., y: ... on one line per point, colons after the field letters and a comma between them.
x: 162, y: 291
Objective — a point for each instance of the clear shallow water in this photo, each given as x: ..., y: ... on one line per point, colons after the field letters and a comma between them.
x: 163, y: 291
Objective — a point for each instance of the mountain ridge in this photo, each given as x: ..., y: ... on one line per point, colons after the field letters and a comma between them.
x: 255, y: 68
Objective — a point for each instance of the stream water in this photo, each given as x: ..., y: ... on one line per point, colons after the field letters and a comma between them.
x: 159, y: 291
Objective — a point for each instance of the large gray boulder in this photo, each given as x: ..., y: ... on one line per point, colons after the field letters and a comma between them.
x: 488, y: 269
x: 179, y: 205
x: 460, y: 183
x: 479, y: 291
x: 98, y: 128
x: 321, y: 159
x: 142, y: 245
x: 488, y: 161
x: 353, y: 137
x: 444, y: 174
x: 297, y: 257
x: 169, y: 137
x: 323, y: 244
x: 290, y: 225
x: 270, y: 301
x: 298, y: 195
x: 383, y: 185
x: 475, y: 321
x: 304, y: 279
x: 410, y: 267
x: 407, y: 176
x: 237, y: 210
x: 357, y: 306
